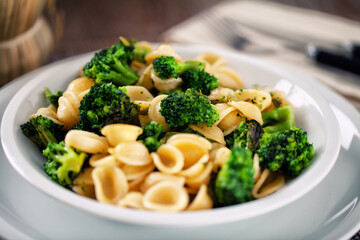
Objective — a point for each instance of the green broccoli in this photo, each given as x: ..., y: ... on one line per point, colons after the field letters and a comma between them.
x: 166, y: 67
x: 53, y: 98
x: 288, y: 151
x: 247, y: 135
x: 235, y: 180
x: 112, y: 65
x: 152, y: 133
x: 199, y: 80
x: 105, y: 104
x: 191, y: 107
x: 42, y: 131
x: 278, y: 119
x: 64, y: 162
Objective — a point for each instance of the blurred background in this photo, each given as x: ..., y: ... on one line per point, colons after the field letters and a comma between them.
x: 92, y: 24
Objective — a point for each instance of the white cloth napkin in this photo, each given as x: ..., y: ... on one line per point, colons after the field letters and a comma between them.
x: 255, y: 19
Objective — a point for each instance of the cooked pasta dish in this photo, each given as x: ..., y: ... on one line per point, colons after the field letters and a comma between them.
x: 143, y: 128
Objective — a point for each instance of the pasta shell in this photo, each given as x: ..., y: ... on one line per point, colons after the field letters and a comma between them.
x: 110, y: 184
x: 132, y: 153
x: 202, y: 200
x: 168, y: 159
x: 119, y: 133
x: 86, y: 141
x: 166, y: 196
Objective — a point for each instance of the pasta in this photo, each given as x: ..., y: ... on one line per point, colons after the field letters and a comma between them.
x: 176, y: 175
x: 69, y: 103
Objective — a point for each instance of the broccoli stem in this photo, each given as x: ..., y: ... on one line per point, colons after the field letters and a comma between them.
x: 278, y: 119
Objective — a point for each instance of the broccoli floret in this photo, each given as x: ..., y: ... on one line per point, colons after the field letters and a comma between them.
x: 278, y: 119
x: 64, y: 162
x: 166, y: 67
x: 112, y: 65
x: 199, y: 80
x: 105, y: 104
x: 190, y: 107
x: 288, y: 151
x: 53, y: 98
x: 235, y: 180
x: 247, y: 135
x: 152, y: 133
x: 42, y: 131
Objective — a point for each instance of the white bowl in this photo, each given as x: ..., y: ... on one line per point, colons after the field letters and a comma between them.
x: 312, y: 113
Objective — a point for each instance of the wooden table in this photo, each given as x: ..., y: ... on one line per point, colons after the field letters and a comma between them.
x: 94, y: 24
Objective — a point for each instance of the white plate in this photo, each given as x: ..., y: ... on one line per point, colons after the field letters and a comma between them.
x: 312, y: 114
x: 329, y: 211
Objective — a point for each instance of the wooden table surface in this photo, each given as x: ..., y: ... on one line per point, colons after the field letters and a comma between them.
x: 94, y: 24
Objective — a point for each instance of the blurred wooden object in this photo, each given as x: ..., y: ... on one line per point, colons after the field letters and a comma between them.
x: 18, y: 16
x: 25, y: 52
x: 27, y: 39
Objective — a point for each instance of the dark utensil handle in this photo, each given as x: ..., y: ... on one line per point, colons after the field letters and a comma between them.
x: 354, y: 50
x: 333, y: 59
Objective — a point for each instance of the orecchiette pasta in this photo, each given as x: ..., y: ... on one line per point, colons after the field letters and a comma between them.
x: 86, y: 141
x: 69, y: 102
x: 110, y: 184
x: 166, y: 196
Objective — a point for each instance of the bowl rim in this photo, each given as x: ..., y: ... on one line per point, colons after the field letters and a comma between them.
x: 316, y: 172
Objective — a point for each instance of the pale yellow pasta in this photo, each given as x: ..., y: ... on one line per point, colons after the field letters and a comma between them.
x: 110, y: 184
x: 68, y: 110
x: 202, y: 178
x: 202, y: 200
x: 222, y: 94
x: 83, y: 184
x: 119, y: 132
x: 248, y: 110
x: 135, y: 185
x: 80, y: 84
x: 219, y: 156
x: 261, y: 99
x: 132, y: 153
x: 48, y: 112
x: 168, y: 159
x: 256, y: 165
x: 156, y: 177
x: 69, y: 102
x: 228, y: 78
x: 196, y: 168
x: 86, y: 190
x: 229, y: 118
x: 154, y: 112
x: 165, y: 84
x: 192, y: 146
x: 144, y: 119
x: 86, y: 141
x: 230, y: 122
x: 137, y: 172
x: 145, y: 79
x: 212, y: 61
x: 214, y: 132
x: 109, y: 160
x: 166, y: 196
x: 267, y: 184
x: 138, y: 93
x: 162, y: 50
x: 131, y: 200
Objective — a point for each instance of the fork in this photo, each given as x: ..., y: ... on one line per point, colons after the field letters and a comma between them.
x: 224, y: 29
